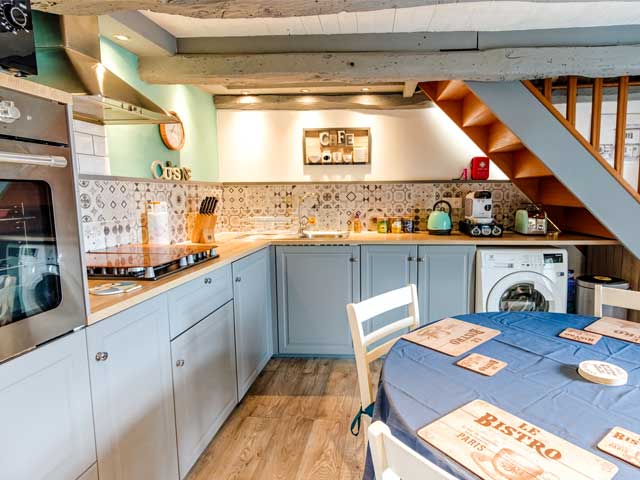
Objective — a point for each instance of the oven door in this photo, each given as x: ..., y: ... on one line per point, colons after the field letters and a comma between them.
x: 42, y: 293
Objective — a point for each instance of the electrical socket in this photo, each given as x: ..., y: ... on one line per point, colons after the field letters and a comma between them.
x: 456, y: 202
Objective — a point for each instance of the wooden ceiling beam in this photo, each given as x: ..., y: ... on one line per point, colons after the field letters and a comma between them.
x: 321, y: 102
x: 363, y: 67
x: 236, y: 8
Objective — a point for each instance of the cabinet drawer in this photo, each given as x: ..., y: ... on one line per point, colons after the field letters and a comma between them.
x: 191, y: 302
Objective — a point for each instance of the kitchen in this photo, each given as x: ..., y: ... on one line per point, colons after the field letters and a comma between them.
x: 179, y: 255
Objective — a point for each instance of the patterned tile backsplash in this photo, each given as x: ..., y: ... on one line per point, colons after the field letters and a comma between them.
x: 113, y: 210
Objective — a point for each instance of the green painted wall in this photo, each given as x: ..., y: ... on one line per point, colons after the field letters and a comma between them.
x: 132, y: 148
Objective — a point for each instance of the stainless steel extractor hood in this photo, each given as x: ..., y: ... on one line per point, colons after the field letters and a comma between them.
x: 100, y: 96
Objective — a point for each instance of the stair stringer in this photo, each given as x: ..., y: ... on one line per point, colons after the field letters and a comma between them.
x: 563, y: 154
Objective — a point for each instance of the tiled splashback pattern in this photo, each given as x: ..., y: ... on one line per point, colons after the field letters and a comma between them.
x: 335, y: 205
x: 113, y: 210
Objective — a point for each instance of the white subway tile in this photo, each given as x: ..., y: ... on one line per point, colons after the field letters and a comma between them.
x: 84, y: 143
x: 100, y: 146
x: 90, y: 128
x: 93, y: 165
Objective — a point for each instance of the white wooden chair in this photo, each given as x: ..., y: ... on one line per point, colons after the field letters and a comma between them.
x: 359, y: 313
x: 393, y: 460
x: 614, y: 297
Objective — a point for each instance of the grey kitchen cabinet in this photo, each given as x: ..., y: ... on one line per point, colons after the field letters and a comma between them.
x: 46, y: 419
x: 252, y: 311
x: 130, y: 366
x: 314, y: 285
x: 91, y: 474
x: 445, y: 281
x: 384, y: 268
x: 204, y: 381
x: 191, y: 302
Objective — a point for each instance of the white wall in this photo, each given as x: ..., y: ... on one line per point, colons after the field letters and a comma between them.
x: 266, y: 146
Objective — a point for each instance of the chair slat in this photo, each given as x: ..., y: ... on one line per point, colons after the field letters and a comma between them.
x: 614, y: 297
x: 388, y: 330
x: 374, y: 306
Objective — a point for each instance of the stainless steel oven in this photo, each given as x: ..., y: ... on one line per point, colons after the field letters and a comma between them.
x: 42, y: 280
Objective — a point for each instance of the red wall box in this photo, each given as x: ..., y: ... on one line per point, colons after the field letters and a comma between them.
x: 480, y: 168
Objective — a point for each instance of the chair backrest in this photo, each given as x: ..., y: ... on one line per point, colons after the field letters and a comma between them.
x: 359, y: 313
x: 614, y: 297
x: 392, y: 459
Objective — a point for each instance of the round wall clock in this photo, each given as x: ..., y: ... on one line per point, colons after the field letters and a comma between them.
x: 172, y: 134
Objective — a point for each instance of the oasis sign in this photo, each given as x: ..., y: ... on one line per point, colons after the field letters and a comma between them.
x: 169, y: 172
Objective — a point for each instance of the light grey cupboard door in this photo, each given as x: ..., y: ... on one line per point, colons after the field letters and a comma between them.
x: 204, y: 382
x: 46, y: 423
x: 315, y: 283
x: 385, y: 268
x: 130, y: 364
x: 252, y: 309
x: 445, y: 286
x: 91, y: 474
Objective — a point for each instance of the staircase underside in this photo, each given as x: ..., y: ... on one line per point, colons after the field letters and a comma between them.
x: 514, y: 158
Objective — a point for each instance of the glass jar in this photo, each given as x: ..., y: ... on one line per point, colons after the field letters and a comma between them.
x: 383, y: 225
x: 407, y: 225
x: 396, y: 225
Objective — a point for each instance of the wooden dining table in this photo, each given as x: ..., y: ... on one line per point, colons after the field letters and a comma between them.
x: 540, y: 385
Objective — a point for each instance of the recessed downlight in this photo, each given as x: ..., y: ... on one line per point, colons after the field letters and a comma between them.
x: 121, y: 37
x: 245, y: 93
x: 304, y: 90
x: 365, y: 89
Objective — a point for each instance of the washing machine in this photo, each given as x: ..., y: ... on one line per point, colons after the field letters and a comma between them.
x: 521, y: 280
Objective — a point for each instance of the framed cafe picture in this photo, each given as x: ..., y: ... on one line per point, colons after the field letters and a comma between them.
x: 336, y: 146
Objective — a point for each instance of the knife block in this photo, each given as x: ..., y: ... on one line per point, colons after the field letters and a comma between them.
x: 204, y: 229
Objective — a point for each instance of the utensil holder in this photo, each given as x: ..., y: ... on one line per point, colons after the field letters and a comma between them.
x: 204, y: 229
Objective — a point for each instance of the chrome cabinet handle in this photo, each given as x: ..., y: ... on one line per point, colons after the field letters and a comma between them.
x: 420, y: 259
x: 410, y: 259
x: 180, y: 363
x: 353, y: 260
x: 238, y: 279
x: 102, y: 356
x: 207, y: 280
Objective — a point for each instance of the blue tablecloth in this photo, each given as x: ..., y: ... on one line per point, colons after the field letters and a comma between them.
x: 540, y: 385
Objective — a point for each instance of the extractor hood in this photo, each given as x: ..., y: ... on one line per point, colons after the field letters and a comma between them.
x: 100, y: 96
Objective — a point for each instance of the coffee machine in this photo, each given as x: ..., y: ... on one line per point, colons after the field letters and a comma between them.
x: 478, y: 216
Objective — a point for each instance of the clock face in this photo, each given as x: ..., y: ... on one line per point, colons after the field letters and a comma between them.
x: 172, y: 134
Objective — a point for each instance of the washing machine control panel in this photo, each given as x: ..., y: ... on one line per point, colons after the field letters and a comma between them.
x: 533, y: 261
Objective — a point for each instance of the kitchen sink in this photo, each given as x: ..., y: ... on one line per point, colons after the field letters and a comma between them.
x: 329, y: 234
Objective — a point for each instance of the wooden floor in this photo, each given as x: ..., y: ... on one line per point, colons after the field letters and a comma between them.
x: 292, y: 425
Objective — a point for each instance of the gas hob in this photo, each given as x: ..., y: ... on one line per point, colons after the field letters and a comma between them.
x: 146, y: 262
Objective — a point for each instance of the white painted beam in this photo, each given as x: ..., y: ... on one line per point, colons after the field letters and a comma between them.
x: 409, y: 88
x: 360, y: 68
x: 246, y: 8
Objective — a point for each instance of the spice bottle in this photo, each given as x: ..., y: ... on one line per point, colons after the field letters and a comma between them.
x: 357, y: 224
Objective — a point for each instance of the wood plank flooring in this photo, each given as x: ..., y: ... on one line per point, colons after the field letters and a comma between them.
x: 292, y: 425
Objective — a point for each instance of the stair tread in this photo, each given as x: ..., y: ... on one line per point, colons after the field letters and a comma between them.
x: 451, y: 90
x: 475, y: 112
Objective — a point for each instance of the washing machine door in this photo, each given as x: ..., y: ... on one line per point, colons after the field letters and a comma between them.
x: 522, y: 292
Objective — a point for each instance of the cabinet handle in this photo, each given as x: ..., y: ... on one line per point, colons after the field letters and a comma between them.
x: 238, y: 279
x: 410, y: 259
x: 180, y: 363
x: 353, y: 260
x: 102, y: 356
x: 207, y: 280
x: 420, y: 259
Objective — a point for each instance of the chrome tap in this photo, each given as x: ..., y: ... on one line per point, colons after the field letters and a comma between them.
x: 301, y: 199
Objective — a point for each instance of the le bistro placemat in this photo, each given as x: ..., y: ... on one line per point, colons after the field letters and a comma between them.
x: 616, y: 328
x: 451, y: 336
x: 496, y: 445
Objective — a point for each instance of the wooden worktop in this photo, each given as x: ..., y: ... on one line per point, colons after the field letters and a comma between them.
x: 234, y: 249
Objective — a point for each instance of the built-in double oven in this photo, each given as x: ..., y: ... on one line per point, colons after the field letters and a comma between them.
x: 42, y: 287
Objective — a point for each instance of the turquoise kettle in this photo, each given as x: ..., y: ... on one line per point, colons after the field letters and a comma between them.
x: 440, y: 221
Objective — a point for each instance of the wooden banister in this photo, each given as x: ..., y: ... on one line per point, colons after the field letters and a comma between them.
x: 554, y: 111
x: 572, y: 99
x: 596, y: 113
x: 621, y: 124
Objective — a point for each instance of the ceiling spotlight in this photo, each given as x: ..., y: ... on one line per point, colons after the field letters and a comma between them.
x: 245, y: 93
x: 304, y: 90
x: 365, y: 89
x: 121, y: 37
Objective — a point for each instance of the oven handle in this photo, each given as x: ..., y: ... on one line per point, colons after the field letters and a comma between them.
x: 30, y: 159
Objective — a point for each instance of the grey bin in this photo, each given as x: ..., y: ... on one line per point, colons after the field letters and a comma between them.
x: 586, y: 285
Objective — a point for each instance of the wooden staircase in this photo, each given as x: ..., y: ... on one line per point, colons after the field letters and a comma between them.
x: 519, y: 163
